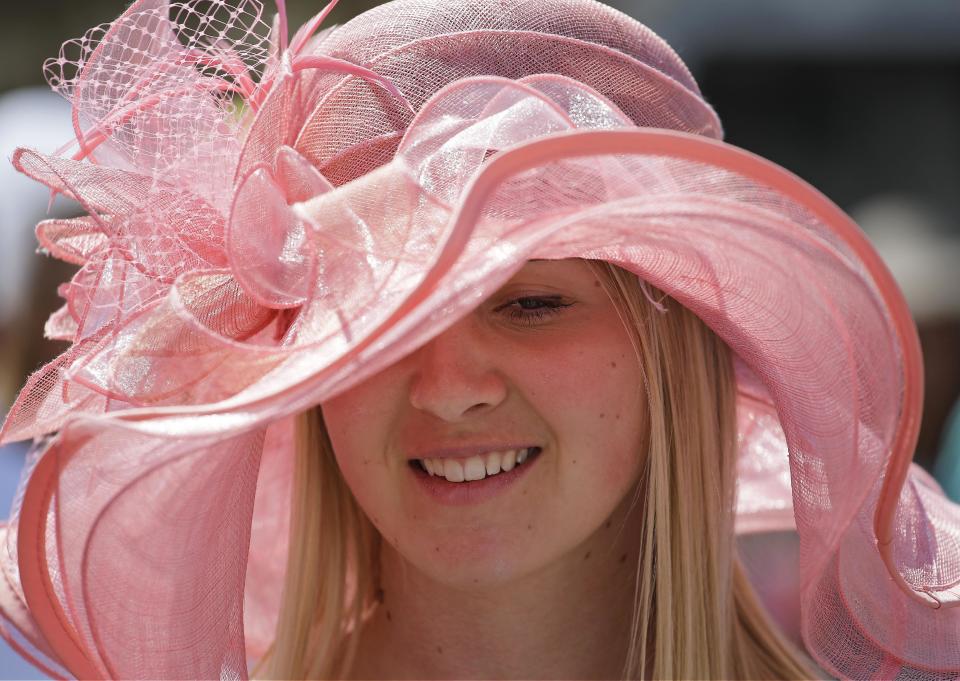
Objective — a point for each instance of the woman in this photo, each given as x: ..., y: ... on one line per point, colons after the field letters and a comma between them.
x: 627, y: 425
x: 422, y: 238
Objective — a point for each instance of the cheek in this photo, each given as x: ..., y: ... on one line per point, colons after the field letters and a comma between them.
x: 352, y: 444
x: 598, y: 407
x: 358, y: 423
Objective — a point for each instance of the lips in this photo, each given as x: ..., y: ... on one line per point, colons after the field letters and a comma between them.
x: 484, y: 486
x: 477, y: 466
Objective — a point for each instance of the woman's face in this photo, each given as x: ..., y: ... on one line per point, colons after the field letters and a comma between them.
x: 543, y: 372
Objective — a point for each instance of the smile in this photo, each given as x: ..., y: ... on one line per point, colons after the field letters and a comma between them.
x: 475, y: 467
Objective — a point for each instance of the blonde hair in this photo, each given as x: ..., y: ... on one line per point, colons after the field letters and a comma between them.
x: 695, y: 613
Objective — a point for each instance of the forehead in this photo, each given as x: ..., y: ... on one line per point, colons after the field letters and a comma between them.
x: 573, y: 271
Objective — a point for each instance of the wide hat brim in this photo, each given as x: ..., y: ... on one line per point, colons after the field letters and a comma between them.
x: 147, y: 530
x: 772, y: 266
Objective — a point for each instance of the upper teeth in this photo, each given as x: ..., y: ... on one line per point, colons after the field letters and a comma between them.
x: 475, y: 467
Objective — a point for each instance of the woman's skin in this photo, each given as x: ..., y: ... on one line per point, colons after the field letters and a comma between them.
x: 531, y: 579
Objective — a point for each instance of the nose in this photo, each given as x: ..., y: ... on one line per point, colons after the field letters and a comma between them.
x: 455, y: 375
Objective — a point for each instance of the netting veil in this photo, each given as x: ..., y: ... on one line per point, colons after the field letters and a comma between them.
x: 272, y: 218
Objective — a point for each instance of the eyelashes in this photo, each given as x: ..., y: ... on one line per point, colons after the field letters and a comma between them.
x: 531, y: 310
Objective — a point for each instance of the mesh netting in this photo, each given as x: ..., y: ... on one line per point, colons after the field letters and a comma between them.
x: 161, y: 78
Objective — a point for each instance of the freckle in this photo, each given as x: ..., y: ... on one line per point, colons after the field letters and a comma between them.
x: 529, y: 527
x: 607, y: 524
x: 602, y: 415
x: 596, y: 282
x: 476, y: 581
x: 618, y: 417
x: 574, y: 460
x: 440, y: 650
x: 586, y: 555
x: 437, y: 549
x: 613, y: 365
x: 389, y: 616
x: 623, y: 558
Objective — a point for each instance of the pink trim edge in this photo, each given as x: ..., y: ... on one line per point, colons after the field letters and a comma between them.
x: 35, y: 576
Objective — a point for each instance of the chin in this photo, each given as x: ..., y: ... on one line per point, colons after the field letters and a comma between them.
x: 472, y: 558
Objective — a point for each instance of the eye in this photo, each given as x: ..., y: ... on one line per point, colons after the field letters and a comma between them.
x: 529, y: 310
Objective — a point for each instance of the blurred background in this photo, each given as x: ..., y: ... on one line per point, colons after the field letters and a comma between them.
x: 859, y: 97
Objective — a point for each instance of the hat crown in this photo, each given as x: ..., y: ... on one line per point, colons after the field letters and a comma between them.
x: 390, y: 25
x: 422, y: 47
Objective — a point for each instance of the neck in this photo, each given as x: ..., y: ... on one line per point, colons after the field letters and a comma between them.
x: 570, y: 619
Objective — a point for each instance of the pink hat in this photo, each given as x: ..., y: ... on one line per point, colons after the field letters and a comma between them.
x: 271, y: 221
